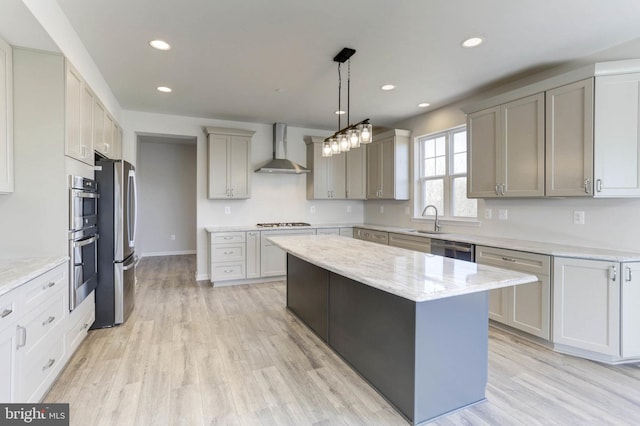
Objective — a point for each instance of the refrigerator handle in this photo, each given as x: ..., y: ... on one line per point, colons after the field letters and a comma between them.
x: 132, y: 205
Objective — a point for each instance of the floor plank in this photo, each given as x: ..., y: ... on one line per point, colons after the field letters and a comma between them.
x: 193, y: 354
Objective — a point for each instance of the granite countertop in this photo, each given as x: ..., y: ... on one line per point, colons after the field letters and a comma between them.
x: 550, y: 249
x: 409, y: 274
x: 16, y: 272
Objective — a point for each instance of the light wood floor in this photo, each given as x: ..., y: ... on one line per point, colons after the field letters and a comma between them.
x: 191, y: 354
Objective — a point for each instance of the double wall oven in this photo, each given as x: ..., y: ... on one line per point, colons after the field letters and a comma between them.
x: 83, y: 238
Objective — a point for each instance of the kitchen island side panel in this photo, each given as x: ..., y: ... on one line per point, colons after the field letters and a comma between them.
x: 374, y: 332
x: 451, y: 354
x: 307, y: 294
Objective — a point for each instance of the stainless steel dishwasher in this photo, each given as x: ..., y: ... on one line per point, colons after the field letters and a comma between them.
x: 453, y: 249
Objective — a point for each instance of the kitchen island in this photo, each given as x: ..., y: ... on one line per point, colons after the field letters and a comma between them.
x: 414, y: 325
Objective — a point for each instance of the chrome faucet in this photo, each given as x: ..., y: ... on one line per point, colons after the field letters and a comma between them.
x: 436, y: 223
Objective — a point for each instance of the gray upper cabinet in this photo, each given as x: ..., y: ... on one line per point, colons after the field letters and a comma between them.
x: 617, y: 136
x: 6, y: 118
x: 388, y: 166
x: 327, y: 179
x: 229, y: 161
x: 506, y: 149
x: 569, y: 140
x: 78, y: 116
x: 357, y: 174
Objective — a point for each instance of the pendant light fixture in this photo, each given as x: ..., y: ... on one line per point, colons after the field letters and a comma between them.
x: 354, y: 135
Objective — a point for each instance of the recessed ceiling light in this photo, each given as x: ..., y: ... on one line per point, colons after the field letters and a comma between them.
x: 423, y: 105
x: 164, y: 89
x: 340, y: 112
x: 472, y: 42
x: 388, y: 87
x: 160, y: 44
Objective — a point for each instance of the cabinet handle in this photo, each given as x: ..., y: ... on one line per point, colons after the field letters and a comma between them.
x: 502, y: 187
x: 497, y: 189
x: 23, y: 335
x: 227, y: 271
x: 508, y: 259
x: 614, y: 273
x: 228, y: 252
x: 6, y: 313
x: 228, y: 238
x: 232, y: 193
x: 48, y: 320
x: 252, y: 234
x: 49, y: 364
x: 86, y: 324
x: 587, y: 185
x: 599, y: 185
x: 628, y: 274
x: 49, y: 285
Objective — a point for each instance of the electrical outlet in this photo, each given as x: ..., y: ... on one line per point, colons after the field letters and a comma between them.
x: 227, y: 210
x: 381, y: 209
x: 578, y: 218
x: 312, y: 209
x: 503, y: 214
x: 488, y: 214
x: 173, y: 237
x: 348, y: 209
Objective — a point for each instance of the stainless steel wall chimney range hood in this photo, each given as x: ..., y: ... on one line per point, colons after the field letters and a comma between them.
x: 280, y: 163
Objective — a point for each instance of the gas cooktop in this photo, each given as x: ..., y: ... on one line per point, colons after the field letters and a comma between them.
x: 282, y: 224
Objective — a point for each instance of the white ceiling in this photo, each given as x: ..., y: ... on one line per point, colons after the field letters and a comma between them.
x: 268, y: 61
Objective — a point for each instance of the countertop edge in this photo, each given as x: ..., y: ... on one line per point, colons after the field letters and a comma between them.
x: 17, y: 272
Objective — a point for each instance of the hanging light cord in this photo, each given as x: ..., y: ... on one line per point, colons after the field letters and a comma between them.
x: 339, y: 96
x: 348, y: 91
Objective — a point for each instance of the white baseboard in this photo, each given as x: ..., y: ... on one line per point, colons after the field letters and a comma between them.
x: 202, y: 277
x: 167, y: 253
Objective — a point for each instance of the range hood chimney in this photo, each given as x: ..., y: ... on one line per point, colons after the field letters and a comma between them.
x: 280, y: 163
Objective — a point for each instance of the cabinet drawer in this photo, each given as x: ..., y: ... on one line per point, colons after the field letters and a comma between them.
x: 41, y: 288
x: 374, y: 236
x: 538, y: 264
x: 40, y: 322
x: 227, y: 271
x: 84, y: 316
x: 9, y: 308
x: 227, y: 237
x: 40, y: 368
x: 227, y: 252
x: 422, y: 244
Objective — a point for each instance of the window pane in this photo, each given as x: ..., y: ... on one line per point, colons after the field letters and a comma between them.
x: 440, y: 146
x: 434, y: 194
x: 460, y: 163
x: 430, y: 167
x: 441, y: 166
x: 459, y: 142
x: 429, y: 148
x: 462, y: 206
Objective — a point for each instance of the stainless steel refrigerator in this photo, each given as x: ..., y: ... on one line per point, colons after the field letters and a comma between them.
x: 115, y: 293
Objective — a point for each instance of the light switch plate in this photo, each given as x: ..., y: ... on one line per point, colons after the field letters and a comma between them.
x: 381, y: 209
x: 312, y: 209
x: 348, y: 209
x: 578, y: 217
x: 488, y: 214
x: 503, y: 214
x: 227, y: 210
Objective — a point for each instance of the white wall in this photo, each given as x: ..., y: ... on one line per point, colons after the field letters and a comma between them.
x: 274, y: 197
x: 166, y: 175
x: 610, y: 223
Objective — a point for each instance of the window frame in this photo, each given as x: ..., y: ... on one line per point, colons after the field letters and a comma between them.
x: 448, y: 178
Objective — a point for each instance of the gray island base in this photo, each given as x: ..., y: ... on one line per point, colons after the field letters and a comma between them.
x: 426, y: 358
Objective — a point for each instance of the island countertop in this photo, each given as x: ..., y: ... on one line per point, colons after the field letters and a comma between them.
x: 412, y: 275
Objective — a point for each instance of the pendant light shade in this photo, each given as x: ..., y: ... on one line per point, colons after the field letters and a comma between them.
x: 326, y: 149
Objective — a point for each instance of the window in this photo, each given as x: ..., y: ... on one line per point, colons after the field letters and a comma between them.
x: 443, y: 174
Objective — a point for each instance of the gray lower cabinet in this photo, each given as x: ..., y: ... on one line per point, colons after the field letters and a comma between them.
x: 380, y: 237
x: 253, y: 254
x: 228, y: 259
x: 273, y: 260
x: 410, y: 242
x: 525, y: 307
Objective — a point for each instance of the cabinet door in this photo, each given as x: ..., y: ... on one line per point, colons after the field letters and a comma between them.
x: 586, y: 304
x: 117, y: 141
x: 388, y: 172
x: 318, y: 180
x: 498, y: 299
x: 630, y: 315
x: 238, y: 172
x: 531, y: 307
x: 338, y: 176
x: 346, y: 232
x: 483, y: 138
x: 98, y: 127
x: 108, y: 135
x: 6, y: 118
x: 8, y: 364
x: 86, y: 129
x: 357, y: 174
x: 617, y: 136
x: 253, y: 254
x: 273, y: 260
x: 569, y: 140
x: 73, y: 102
x: 374, y: 165
x: 522, y: 149
x: 218, y: 154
